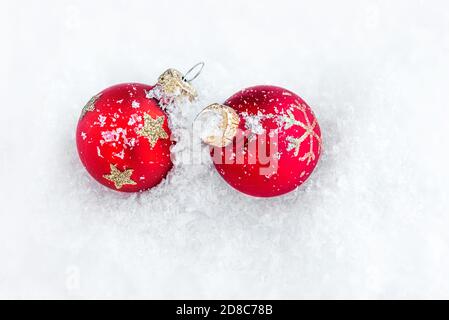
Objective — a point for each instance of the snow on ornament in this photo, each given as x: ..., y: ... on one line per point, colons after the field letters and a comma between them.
x: 123, y: 134
x: 270, y: 146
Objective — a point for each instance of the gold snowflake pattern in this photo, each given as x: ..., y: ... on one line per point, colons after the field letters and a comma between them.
x: 90, y: 105
x: 295, y: 143
x: 152, y: 129
x: 120, y: 178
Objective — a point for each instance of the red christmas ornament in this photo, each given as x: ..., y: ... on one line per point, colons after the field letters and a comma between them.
x: 123, y: 136
x: 276, y: 141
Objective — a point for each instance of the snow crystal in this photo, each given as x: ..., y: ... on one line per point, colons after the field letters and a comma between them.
x: 109, y: 136
x: 102, y: 120
x: 120, y: 155
x: 155, y: 93
x: 99, y: 152
x: 254, y: 124
x: 134, y: 118
x: 135, y: 104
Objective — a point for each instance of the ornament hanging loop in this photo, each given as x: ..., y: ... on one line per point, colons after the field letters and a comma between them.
x: 199, y: 67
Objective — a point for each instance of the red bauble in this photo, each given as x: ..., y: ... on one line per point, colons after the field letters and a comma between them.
x: 123, y: 138
x: 277, y: 146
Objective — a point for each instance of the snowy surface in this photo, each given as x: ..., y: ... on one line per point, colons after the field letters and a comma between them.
x: 372, y: 221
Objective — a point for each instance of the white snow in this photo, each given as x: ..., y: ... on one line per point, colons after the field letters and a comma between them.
x: 253, y: 123
x: 135, y: 104
x: 371, y: 222
x: 208, y: 123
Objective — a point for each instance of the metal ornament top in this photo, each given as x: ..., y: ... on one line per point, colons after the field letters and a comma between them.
x: 227, y: 127
x: 176, y: 84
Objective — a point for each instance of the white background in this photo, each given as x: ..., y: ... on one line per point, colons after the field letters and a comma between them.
x: 372, y: 222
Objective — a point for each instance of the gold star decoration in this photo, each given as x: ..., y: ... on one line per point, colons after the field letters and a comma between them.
x: 152, y: 129
x: 119, y: 178
x: 295, y: 143
x: 90, y: 105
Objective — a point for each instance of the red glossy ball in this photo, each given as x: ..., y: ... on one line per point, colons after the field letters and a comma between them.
x: 277, y: 146
x: 123, y: 138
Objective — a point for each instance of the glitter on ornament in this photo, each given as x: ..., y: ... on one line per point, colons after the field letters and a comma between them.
x: 253, y: 123
x: 295, y: 143
x: 90, y: 105
x: 155, y: 93
x: 119, y: 178
x: 152, y: 129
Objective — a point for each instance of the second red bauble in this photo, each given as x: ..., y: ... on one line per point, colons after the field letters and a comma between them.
x: 277, y: 145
